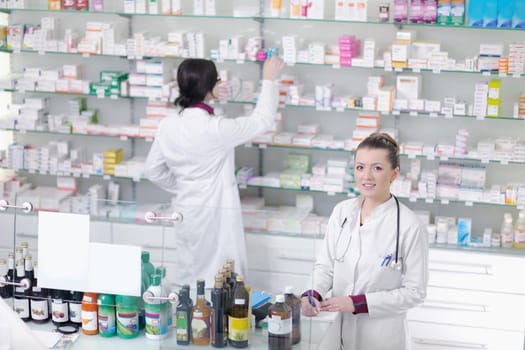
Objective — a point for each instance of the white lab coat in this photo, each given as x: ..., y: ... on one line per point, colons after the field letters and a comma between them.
x: 389, y: 292
x: 192, y: 157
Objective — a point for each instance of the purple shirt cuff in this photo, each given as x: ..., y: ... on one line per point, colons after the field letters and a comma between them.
x: 315, y: 294
x: 360, y: 304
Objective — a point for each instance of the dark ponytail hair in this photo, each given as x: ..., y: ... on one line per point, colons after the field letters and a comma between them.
x: 381, y: 140
x: 196, y: 77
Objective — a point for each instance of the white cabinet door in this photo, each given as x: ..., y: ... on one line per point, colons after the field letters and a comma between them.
x: 472, y: 308
x: 476, y: 271
x: 429, y: 336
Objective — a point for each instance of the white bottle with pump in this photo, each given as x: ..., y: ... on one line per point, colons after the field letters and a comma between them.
x: 156, y: 310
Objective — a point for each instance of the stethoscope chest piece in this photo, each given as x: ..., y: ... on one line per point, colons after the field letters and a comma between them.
x: 396, y: 265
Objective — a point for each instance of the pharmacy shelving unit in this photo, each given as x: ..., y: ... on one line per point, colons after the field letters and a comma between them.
x: 278, y: 259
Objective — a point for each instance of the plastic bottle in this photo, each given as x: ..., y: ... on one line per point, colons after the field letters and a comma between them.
x: 519, y: 231
x: 127, y: 316
x: 183, y: 318
x: 279, y: 325
x: 75, y: 307
x: 507, y: 231
x: 21, y: 302
x: 239, y: 320
x: 219, y: 332
x: 200, y: 318
x: 156, y: 310
x: 107, y: 324
x: 295, y: 304
x: 59, y: 308
x: 90, y: 313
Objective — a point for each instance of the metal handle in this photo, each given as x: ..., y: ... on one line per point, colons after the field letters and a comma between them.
x: 26, y: 207
x: 449, y: 344
x: 295, y: 257
x: 466, y: 268
x: 149, y: 297
x: 151, y: 217
x: 450, y: 305
x: 25, y: 283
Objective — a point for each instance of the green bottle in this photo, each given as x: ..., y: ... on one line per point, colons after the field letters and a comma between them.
x: 127, y: 317
x: 156, y: 310
x: 147, y: 270
x: 106, y: 315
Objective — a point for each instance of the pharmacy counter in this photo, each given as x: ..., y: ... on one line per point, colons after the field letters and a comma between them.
x: 317, y: 333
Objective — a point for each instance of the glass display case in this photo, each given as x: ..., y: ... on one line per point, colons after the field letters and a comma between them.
x: 120, y: 258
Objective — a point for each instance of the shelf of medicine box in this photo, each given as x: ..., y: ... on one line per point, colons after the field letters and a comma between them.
x: 490, y: 250
x: 122, y: 221
x: 349, y: 194
x: 138, y: 220
x: 408, y: 69
x: 354, y: 193
x: 114, y: 96
x: 13, y: 51
x: 242, y: 61
x: 284, y: 234
x: 47, y: 132
x: 442, y: 246
x: 260, y: 18
x: 76, y: 175
x: 125, y: 14
x: 445, y: 201
x: 408, y: 155
x: 389, y: 23
x: 395, y: 112
x: 129, y: 212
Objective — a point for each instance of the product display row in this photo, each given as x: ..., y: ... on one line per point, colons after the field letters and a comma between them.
x: 226, y: 320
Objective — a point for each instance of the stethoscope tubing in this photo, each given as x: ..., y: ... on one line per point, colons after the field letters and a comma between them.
x: 341, y: 258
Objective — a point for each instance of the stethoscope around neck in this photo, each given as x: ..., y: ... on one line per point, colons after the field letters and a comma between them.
x: 396, y: 264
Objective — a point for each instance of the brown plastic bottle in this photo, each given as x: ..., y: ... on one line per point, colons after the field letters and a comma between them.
x: 238, y: 320
x: 295, y: 304
x: 200, y: 318
x: 279, y: 325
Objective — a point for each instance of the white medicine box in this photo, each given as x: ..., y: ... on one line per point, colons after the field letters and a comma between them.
x: 408, y: 87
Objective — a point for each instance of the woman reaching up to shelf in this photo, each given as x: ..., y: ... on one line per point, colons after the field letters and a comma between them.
x: 374, y: 258
x: 192, y: 157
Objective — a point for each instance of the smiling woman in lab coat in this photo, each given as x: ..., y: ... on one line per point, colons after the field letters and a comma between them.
x: 192, y: 157
x: 357, y: 259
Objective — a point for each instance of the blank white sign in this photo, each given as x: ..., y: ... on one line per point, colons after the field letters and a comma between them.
x: 63, y: 254
x: 114, y: 269
x: 68, y: 261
